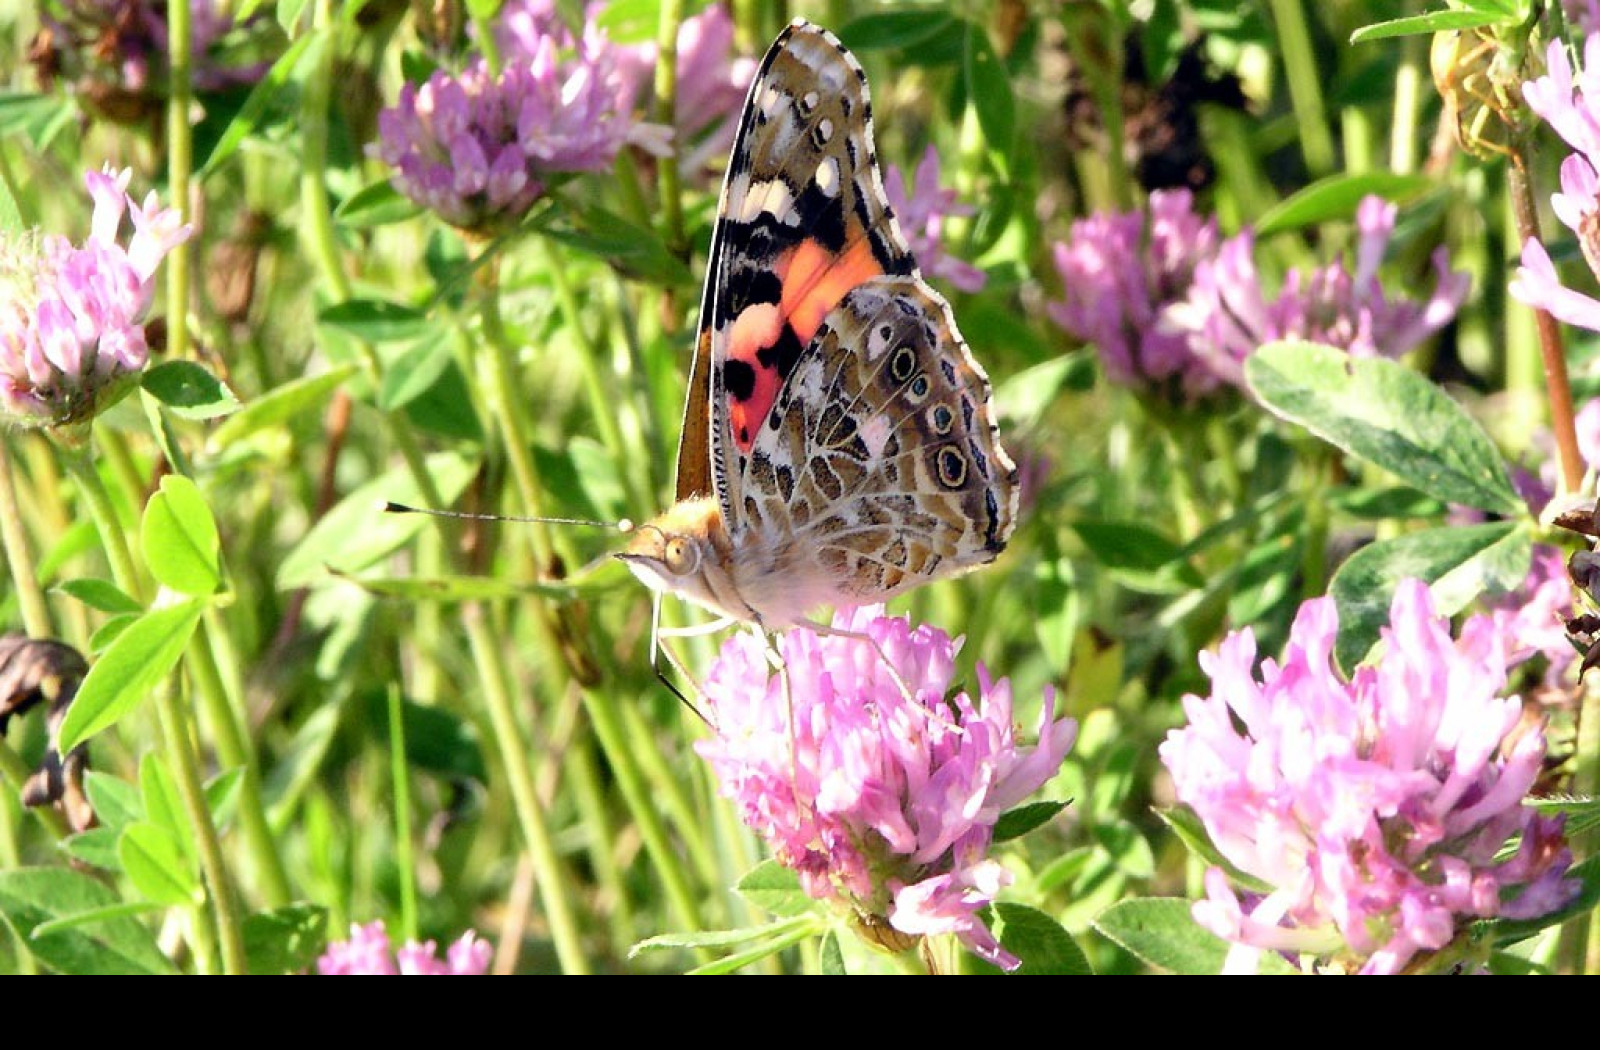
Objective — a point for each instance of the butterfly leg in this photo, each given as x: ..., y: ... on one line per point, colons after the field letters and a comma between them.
x: 698, y: 629
x: 883, y: 657
x: 776, y: 660
x: 657, y: 649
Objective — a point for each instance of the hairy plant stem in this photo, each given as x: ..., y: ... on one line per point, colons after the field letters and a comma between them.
x: 1557, y: 386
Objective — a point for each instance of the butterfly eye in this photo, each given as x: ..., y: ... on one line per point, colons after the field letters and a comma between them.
x: 680, y: 556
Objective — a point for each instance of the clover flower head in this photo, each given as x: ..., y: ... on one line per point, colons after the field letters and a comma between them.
x: 1120, y: 273
x: 1376, y: 808
x: 368, y: 953
x: 1568, y: 99
x: 1227, y: 316
x: 115, y: 51
x: 478, y: 148
x: 921, y: 212
x: 882, y: 802
x: 1171, y: 307
x: 71, y: 317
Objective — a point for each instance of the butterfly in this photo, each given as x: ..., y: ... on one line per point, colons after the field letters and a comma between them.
x: 838, y: 445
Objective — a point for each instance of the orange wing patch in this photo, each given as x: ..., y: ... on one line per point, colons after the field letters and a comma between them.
x: 754, y: 386
x: 814, y: 280
x: 766, y: 339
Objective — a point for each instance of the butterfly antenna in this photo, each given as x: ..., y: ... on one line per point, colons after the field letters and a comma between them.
x: 621, y: 525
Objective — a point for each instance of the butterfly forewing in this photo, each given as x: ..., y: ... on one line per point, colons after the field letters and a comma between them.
x: 802, y: 221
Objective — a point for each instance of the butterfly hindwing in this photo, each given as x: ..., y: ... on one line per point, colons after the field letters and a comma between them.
x: 881, y: 457
x: 802, y: 221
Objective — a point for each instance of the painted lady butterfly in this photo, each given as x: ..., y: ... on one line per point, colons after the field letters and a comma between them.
x: 838, y: 447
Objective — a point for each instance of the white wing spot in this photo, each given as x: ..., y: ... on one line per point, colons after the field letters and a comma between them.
x: 828, y: 177
x: 874, y: 434
x: 772, y: 197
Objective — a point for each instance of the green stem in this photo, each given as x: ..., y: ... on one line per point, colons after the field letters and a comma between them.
x: 1249, y: 192
x: 602, y: 398
x: 428, y: 682
x: 316, y: 217
x: 737, y: 851
x: 10, y: 860
x: 1305, y: 85
x: 45, y: 500
x: 1223, y: 438
x: 180, y: 162
x: 1511, y: 350
x: 118, y: 459
x: 1185, y: 501
x: 1314, y: 556
x: 667, y: 23
x: 749, y: 24
x: 1403, y: 133
x: 1579, y: 949
x: 1356, y: 129
x: 399, y: 775
x: 484, y: 28
x: 104, y: 514
x: 227, y: 720
x: 222, y: 920
x: 1102, y: 174
x: 317, y: 235
x: 552, y: 879
x: 589, y: 794
x: 30, y: 596
x: 640, y: 797
x: 510, y: 410
x: 671, y: 802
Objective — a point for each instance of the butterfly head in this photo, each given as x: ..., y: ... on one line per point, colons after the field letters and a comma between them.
x: 685, y: 552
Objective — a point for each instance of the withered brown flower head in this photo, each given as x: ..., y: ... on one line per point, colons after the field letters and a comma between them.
x: 1161, y: 126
